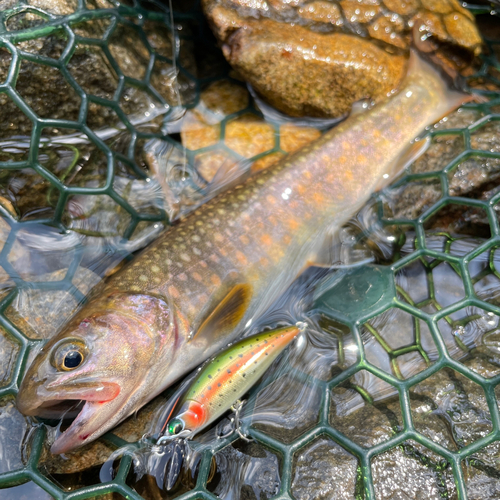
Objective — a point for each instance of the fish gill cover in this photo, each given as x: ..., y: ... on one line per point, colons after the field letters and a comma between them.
x: 63, y: 167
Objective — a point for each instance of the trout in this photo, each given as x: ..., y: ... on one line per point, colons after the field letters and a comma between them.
x: 200, y: 284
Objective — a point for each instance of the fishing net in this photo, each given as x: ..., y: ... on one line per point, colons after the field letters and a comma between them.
x: 64, y: 167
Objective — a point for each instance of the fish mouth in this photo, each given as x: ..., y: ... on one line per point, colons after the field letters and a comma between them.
x: 60, y: 408
x: 90, y: 406
x: 79, y: 431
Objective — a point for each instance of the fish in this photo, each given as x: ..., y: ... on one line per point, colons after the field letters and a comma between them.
x: 199, y: 285
x: 225, y: 379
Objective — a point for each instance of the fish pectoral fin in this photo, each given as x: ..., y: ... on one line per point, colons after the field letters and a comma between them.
x: 228, y: 175
x: 228, y: 313
x: 409, y: 155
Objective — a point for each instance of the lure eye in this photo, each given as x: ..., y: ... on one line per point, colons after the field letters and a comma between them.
x: 69, y: 355
x: 175, y: 426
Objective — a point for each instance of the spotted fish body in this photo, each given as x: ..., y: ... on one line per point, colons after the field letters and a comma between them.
x: 226, y: 378
x: 195, y: 288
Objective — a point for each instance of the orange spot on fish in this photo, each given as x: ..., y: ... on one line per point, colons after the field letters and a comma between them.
x: 301, y: 189
x: 271, y: 199
x: 197, y: 276
x: 215, y: 280
x: 293, y: 224
x: 273, y: 220
x: 173, y: 292
x: 245, y: 240
x: 266, y: 239
x: 318, y: 198
x: 348, y: 175
x: 263, y: 262
x: 330, y: 178
x: 241, y: 258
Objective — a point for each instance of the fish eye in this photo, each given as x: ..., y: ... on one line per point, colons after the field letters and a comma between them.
x: 175, y: 426
x: 69, y: 355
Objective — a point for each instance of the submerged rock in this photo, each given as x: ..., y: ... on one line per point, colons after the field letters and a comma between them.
x: 324, y: 470
x: 48, y: 92
x: 245, y: 470
x: 318, y: 58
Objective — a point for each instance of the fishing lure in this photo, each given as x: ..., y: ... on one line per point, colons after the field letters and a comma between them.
x: 223, y: 380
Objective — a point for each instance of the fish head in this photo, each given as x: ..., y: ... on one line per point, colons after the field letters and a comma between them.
x: 96, y: 369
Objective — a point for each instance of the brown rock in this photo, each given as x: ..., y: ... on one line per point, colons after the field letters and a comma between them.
x: 270, y: 55
x: 389, y: 28
x: 318, y: 58
x: 246, y: 136
x: 357, y: 12
x: 454, y: 28
x: 463, y: 31
x: 321, y: 12
x: 437, y: 6
x: 404, y: 7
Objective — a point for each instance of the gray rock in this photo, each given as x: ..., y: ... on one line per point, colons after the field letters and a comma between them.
x: 323, y: 470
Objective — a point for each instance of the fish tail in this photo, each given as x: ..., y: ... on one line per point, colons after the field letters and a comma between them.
x: 448, y: 99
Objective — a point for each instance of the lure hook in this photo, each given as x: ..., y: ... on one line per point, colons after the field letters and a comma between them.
x: 235, y: 420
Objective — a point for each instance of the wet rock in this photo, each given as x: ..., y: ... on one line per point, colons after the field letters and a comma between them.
x: 49, y: 94
x: 365, y: 424
x: 247, y: 135
x: 459, y: 405
x: 482, y: 473
x: 324, y: 470
x: 318, y: 58
x: 39, y: 314
x: 304, y: 73
x: 412, y: 472
x: 9, y: 349
x: 14, y: 429
x: 245, y: 470
x: 475, y: 177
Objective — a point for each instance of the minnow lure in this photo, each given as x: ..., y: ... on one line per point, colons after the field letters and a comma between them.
x: 197, y: 286
x: 224, y: 379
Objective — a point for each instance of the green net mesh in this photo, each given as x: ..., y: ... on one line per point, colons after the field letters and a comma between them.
x: 59, y: 46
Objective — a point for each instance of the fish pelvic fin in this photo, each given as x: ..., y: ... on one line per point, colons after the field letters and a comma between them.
x: 228, y: 313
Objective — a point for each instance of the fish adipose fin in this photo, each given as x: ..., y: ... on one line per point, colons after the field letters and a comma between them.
x: 227, y: 314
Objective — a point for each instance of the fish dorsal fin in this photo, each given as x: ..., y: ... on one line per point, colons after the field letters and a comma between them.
x: 227, y: 314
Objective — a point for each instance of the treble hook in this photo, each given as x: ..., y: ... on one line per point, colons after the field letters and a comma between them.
x: 235, y: 419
